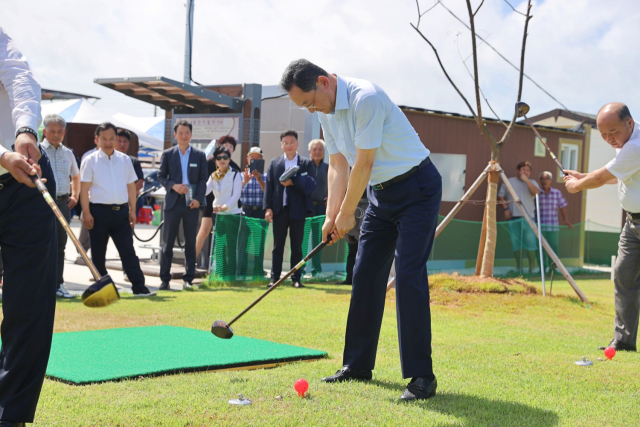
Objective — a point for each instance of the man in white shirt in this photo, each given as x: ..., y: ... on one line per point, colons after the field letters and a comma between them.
x: 619, y: 130
x: 28, y: 240
x: 364, y: 129
x: 109, y: 206
x: 67, y: 174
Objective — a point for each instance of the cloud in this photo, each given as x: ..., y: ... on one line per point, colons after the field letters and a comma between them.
x: 581, y: 52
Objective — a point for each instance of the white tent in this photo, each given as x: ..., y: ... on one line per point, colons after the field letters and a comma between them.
x: 81, y: 111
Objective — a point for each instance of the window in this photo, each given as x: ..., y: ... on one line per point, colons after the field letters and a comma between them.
x: 569, y: 155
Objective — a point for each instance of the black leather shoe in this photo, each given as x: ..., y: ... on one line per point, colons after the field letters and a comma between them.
x: 619, y: 346
x: 344, y: 282
x: 11, y: 424
x: 346, y: 374
x: 164, y: 287
x: 419, y: 388
x: 297, y: 284
x: 271, y: 283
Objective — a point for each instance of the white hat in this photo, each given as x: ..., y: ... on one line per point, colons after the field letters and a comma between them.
x: 255, y: 150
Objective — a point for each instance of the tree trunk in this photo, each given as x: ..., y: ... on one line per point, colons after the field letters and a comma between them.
x: 489, y: 254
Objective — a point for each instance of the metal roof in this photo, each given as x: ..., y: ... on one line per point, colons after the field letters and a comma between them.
x: 169, y: 94
x: 52, y: 95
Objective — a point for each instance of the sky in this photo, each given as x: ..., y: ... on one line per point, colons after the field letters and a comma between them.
x: 582, y: 52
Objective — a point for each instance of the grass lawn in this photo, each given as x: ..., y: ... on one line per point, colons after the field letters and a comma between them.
x: 501, y: 360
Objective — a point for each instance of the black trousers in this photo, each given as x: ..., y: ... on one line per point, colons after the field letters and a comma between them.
x: 172, y: 218
x: 400, y: 220
x: 29, y: 244
x: 63, y: 205
x: 114, y: 223
x: 281, y: 224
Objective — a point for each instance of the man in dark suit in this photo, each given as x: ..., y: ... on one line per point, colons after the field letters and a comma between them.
x: 287, y: 204
x: 183, y: 173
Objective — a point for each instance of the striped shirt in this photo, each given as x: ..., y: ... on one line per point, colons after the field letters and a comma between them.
x: 64, y: 166
x: 252, y: 193
x: 549, y: 205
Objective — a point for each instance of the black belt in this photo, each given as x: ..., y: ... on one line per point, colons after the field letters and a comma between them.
x: 319, y: 203
x: 402, y: 177
x: 62, y: 197
x: 113, y: 207
x: 253, y: 208
x: 633, y: 216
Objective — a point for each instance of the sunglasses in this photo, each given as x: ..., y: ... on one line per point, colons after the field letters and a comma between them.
x: 222, y: 157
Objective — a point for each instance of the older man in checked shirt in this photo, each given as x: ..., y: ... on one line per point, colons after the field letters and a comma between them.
x: 551, y: 201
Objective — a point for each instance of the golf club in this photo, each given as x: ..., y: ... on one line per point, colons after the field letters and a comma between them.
x: 222, y: 329
x: 103, y: 292
x: 523, y: 109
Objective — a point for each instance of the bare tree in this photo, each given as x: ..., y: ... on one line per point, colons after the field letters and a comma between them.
x: 486, y: 252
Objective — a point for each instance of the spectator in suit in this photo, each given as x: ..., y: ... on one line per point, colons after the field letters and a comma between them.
x: 226, y: 186
x: 287, y: 204
x: 67, y: 174
x: 319, y: 170
x: 183, y: 173
x: 108, y: 196
x: 206, y: 225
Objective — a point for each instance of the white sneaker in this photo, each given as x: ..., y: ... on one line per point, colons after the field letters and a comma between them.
x: 63, y: 292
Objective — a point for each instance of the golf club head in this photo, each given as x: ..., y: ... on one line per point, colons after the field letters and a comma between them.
x: 101, y: 294
x: 221, y: 329
x: 522, y: 108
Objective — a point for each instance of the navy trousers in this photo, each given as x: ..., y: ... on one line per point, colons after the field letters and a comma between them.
x: 400, y: 220
x: 108, y: 222
x: 172, y: 218
x: 28, y: 238
x: 281, y: 223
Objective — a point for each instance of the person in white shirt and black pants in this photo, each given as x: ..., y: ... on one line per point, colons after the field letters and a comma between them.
x: 619, y: 130
x: 28, y: 239
x: 108, y: 197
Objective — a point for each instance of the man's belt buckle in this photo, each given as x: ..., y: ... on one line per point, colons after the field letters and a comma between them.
x: 378, y: 187
x: 115, y: 208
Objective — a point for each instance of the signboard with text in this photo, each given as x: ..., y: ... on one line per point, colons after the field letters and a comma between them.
x: 207, y: 127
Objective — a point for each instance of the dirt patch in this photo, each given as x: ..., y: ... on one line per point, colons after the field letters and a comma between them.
x: 476, y: 284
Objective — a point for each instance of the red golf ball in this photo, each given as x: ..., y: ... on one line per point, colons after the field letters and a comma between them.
x: 301, y: 386
x: 609, y: 352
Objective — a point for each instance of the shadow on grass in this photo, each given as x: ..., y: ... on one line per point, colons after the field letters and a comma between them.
x: 479, y: 411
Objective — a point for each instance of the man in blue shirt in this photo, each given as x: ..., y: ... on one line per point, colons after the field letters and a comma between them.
x: 364, y: 129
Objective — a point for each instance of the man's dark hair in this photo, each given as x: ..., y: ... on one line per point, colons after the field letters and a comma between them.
x: 624, y: 114
x: 221, y: 150
x: 124, y: 132
x: 182, y: 123
x: 303, y: 74
x: 228, y: 139
x: 523, y: 164
x: 289, y: 132
x: 105, y: 126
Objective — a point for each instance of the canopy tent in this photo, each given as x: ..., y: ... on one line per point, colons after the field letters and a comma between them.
x: 81, y: 111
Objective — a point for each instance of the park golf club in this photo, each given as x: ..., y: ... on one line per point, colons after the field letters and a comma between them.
x: 523, y: 109
x: 222, y: 329
x: 103, y: 292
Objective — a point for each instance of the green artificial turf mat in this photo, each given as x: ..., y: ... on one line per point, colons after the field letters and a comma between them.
x: 113, y: 354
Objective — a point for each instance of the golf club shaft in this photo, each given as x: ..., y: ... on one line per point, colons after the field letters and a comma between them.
x: 310, y: 255
x: 47, y: 197
x: 553, y: 156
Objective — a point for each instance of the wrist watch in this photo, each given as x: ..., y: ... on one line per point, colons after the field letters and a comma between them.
x: 25, y: 129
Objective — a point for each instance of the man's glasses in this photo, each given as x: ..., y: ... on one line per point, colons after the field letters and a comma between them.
x: 225, y: 157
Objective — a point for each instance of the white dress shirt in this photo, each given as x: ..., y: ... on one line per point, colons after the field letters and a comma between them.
x: 108, y: 177
x: 19, y: 94
x: 88, y: 153
x: 366, y: 118
x: 626, y: 167
x: 227, y: 191
x: 288, y: 164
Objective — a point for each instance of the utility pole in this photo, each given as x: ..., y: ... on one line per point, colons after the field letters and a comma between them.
x: 188, y: 41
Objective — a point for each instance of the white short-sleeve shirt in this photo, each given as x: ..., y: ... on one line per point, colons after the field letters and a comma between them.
x: 108, y: 176
x: 366, y: 118
x: 626, y: 167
